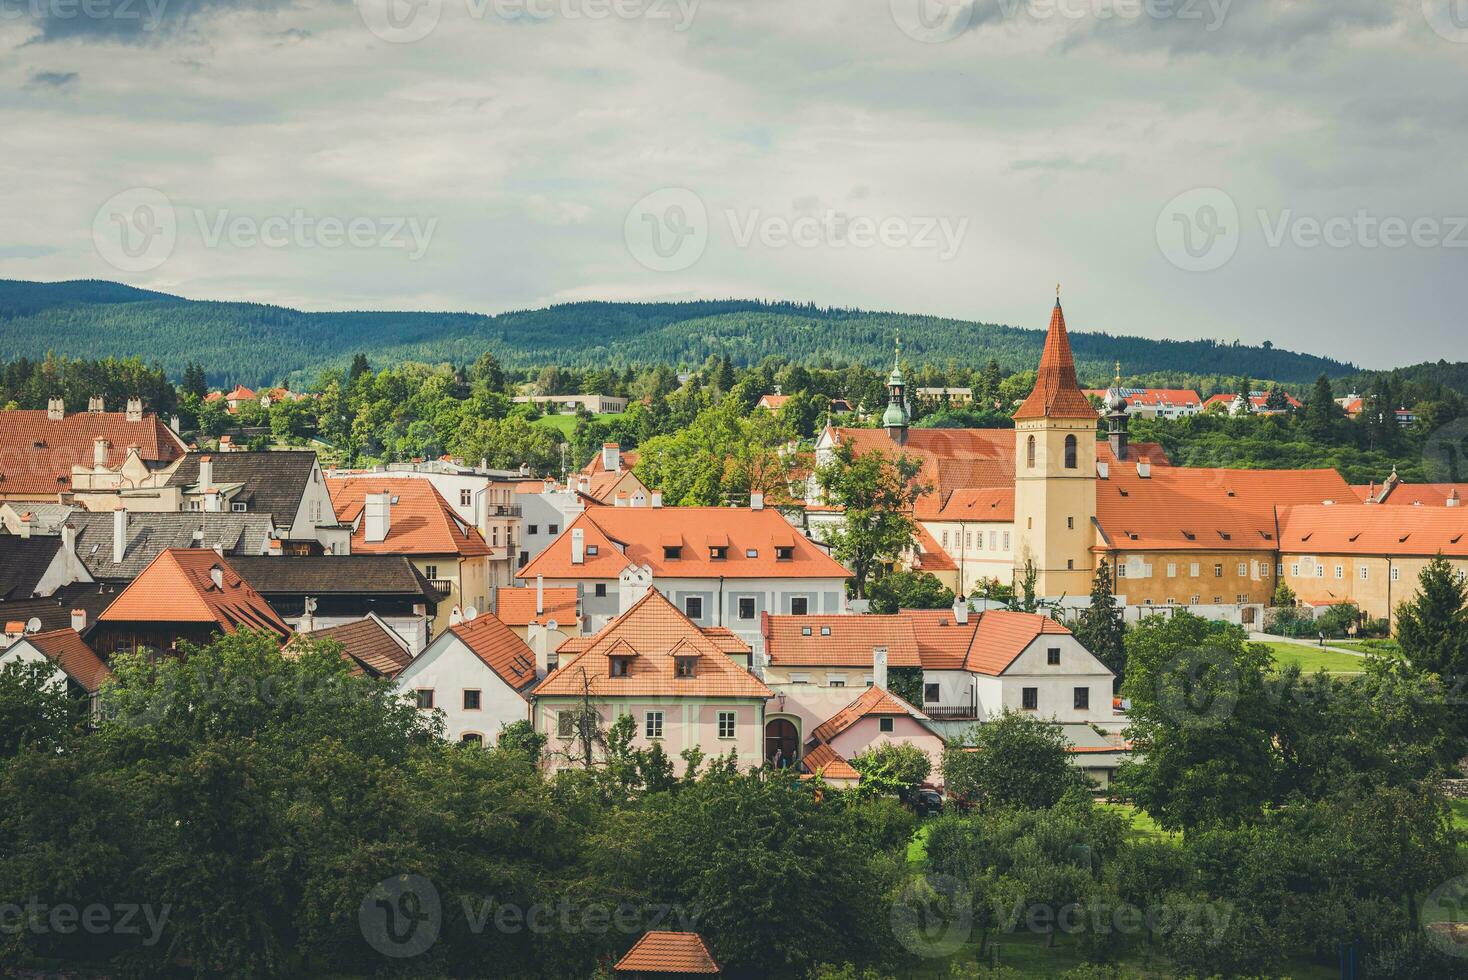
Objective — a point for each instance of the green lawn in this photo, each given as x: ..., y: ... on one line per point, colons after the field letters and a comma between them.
x: 566, y: 424
x: 1382, y: 647
x: 1460, y: 813
x: 1313, y: 659
x: 1143, y: 826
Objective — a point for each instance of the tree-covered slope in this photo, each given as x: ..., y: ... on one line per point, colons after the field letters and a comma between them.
x: 255, y: 343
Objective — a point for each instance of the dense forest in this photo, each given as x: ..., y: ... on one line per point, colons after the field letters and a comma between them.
x: 258, y: 344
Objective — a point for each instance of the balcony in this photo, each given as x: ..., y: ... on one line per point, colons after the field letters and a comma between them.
x: 951, y: 712
x: 502, y: 510
x: 444, y: 585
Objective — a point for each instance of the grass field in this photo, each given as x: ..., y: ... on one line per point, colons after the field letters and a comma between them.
x: 1311, y: 660
x: 566, y: 424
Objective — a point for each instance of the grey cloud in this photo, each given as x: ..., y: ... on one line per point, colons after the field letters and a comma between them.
x: 1228, y: 27
x: 120, y: 21
x: 54, y: 79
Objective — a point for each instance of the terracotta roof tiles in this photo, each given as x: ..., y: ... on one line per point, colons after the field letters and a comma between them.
x: 178, y: 587
x: 70, y: 652
x: 37, y: 453
x: 421, y: 522
x: 669, y: 952
x: 1056, y: 393
x: 839, y: 641
x: 516, y: 606
x: 873, y: 701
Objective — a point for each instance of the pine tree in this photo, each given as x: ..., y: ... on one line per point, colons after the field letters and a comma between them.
x: 1321, y: 411
x: 1432, y: 627
x: 1100, y: 628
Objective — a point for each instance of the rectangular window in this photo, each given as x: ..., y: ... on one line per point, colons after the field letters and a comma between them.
x: 1195, y: 570
x: 1196, y: 600
x: 1031, y: 698
x: 653, y: 724
x: 1052, y: 656
x: 945, y: 540
x: 1172, y: 569
x: 425, y: 697
x: 1320, y: 571
x: 1243, y: 598
x: 1279, y: 569
x: 751, y: 552
x: 835, y: 680
x: 1340, y: 571
x: 1243, y: 569
x: 1121, y: 569
x: 726, y: 724
x: 237, y: 508
x: 746, y: 607
x: 1218, y: 570
x: 471, y: 700
x: 466, y: 498
x: 1006, y: 541
x: 686, y: 667
x: 555, y: 529
x: 800, y: 678
x: 884, y: 724
x: 430, y: 571
x: 1396, y: 574
x: 1083, y: 698
x: 799, y: 605
x: 693, y: 607
x: 600, y: 590
x: 593, y: 550
x: 1295, y: 569
x: 565, y: 723
x: 1363, y: 573
x: 620, y: 665
x: 533, y: 529
x: 1070, y: 523
x: 672, y: 552
x: 930, y: 693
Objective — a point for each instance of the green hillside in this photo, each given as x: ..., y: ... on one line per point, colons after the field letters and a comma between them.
x: 255, y: 343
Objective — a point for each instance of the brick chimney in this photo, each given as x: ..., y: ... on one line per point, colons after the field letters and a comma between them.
x: 78, y: 620
x: 135, y: 409
x: 55, y: 409
x: 95, y: 404
x: 377, y: 516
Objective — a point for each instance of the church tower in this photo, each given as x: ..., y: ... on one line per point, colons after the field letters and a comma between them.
x: 895, y: 419
x: 1055, y: 474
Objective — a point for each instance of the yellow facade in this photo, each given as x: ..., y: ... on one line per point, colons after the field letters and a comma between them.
x: 1055, y: 503
x: 1376, y: 584
x: 1189, y: 578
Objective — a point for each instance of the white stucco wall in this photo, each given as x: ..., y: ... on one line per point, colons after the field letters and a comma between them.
x: 449, y: 667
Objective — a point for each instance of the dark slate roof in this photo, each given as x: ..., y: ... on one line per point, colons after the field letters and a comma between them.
x: 54, y: 611
x: 22, y: 563
x: 273, y: 482
x: 374, y: 647
x: 149, y: 534
x: 320, y: 575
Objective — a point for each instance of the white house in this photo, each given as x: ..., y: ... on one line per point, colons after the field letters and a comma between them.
x: 74, y: 663
x: 479, y: 674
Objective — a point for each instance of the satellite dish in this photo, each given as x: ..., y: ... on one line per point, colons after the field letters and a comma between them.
x: 33, y: 625
x: 470, y: 614
x: 551, y: 624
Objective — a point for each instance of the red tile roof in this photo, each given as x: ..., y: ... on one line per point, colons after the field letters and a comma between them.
x: 873, y: 701
x: 838, y: 641
x: 370, y: 646
x: 178, y: 587
x: 669, y: 952
x: 516, y: 607
x: 421, y: 521
x: 772, y: 402
x: 1154, y: 397
x: 1182, y: 508
x: 644, y: 532
x: 628, y: 459
x: 37, y: 454
x: 1419, y: 494
x: 499, y: 649
x: 653, y: 633
x: 241, y: 393
x: 1056, y: 393
x: 980, y: 504
x: 1374, y: 530
x: 987, y: 644
x: 823, y: 761
x: 929, y: 556
x: 70, y: 652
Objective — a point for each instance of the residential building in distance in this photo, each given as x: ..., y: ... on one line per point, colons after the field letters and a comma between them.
x: 569, y: 404
x: 74, y: 664
x: 405, y: 515
x: 546, y: 509
x: 1399, y: 493
x: 1258, y: 403
x: 39, y: 448
x: 1153, y: 403
x: 943, y: 397
x: 875, y: 717
x: 667, y: 954
x: 721, y: 566
x: 370, y: 646
x: 115, y: 547
x: 608, y: 478
x: 38, y: 566
x: 288, y: 485
x: 27, y: 519
x: 676, y: 679
x: 485, y: 499
x: 186, y: 595
x: 479, y: 674
x: 556, y: 611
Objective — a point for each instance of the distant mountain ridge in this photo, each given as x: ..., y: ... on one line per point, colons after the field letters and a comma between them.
x: 256, y: 343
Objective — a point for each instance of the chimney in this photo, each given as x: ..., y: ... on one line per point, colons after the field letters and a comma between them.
x: 611, y: 456
x: 135, y: 409
x: 216, y: 575
x: 540, y: 595
x: 879, y: 668
x: 377, y: 515
x: 206, y: 472
x: 68, y: 538
x: 1103, y: 469
x: 1453, y: 499
x: 960, y: 611
x: 99, y: 452
x: 456, y: 616
x: 1144, y: 469
x: 274, y: 547
x: 548, y: 486
x: 25, y: 525
x: 119, y: 535
x: 211, y: 500
x: 173, y: 423
x: 524, y: 470
x: 55, y: 409
x: 539, y: 643
x: 578, y: 546
x: 583, y: 484
x: 657, y: 498
x: 622, y: 500
x: 756, y: 500
x: 95, y: 404
x: 225, y: 444
x: 78, y: 620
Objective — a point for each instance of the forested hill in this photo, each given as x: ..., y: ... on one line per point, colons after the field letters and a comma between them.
x: 254, y: 343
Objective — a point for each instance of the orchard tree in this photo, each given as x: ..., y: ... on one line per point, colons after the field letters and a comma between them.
x: 909, y: 590
x: 876, y: 493
x: 1014, y: 761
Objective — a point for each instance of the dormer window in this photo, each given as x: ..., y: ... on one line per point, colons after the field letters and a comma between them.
x: 620, y: 666
x: 751, y: 553
x: 592, y: 549
x: 786, y: 553
x: 686, y: 667
x: 718, y: 553
x: 672, y: 552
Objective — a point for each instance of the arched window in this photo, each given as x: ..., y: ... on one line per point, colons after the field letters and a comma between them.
x: 471, y: 738
x: 1031, y: 452
x: 1070, y: 452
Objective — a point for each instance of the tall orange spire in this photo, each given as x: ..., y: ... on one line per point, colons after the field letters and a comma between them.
x: 1056, y: 393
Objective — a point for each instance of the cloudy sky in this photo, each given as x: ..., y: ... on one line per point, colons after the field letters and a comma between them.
x: 1285, y: 170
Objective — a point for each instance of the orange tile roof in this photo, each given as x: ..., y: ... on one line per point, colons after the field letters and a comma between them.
x: 872, y: 701
x: 1182, y: 508
x: 241, y: 393
x: 368, y: 645
x: 668, y: 952
x: 653, y: 633
x: 516, y: 606
x: 1003, y: 635
x: 1056, y: 393
x: 37, y: 454
x: 978, y: 504
x: 421, y: 521
x: 1374, y: 530
x: 1153, y: 397
x: 1423, y: 494
x: 929, y: 555
x: 838, y: 641
x: 177, y: 587
x: 628, y: 458
x: 70, y: 652
x: 497, y: 646
x: 772, y: 402
x: 823, y: 761
x: 644, y: 532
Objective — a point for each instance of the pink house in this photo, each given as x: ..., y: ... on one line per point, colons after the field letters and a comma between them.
x: 877, y: 716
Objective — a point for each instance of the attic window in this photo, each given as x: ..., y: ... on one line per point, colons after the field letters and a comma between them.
x: 39, y: 444
x: 593, y: 549
x: 1404, y: 537
x: 1229, y: 492
x: 686, y: 667
x: 718, y: 553
x: 1123, y: 492
x: 805, y: 631
x: 784, y: 553
x: 620, y: 666
x: 825, y: 631
x: 1266, y: 535
x: 1132, y: 535
x: 395, y: 499
x: 1225, y: 535
x: 1190, y: 536
x: 1354, y: 536
x: 751, y: 552
x: 672, y: 552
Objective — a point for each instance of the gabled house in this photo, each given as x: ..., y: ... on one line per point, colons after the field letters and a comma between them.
x: 74, y: 606
x: 540, y: 615
x: 479, y: 674
x: 39, y: 448
x: 609, y: 476
x: 188, y: 595
x: 676, y: 679
x: 115, y: 547
x: 369, y: 645
x: 721, y: 566
x: 75, y: 664
x: 874, y: 717
x: 287, y: 485
x: 38, y: 566
x: 403, y: 515
x: 28, y: 519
